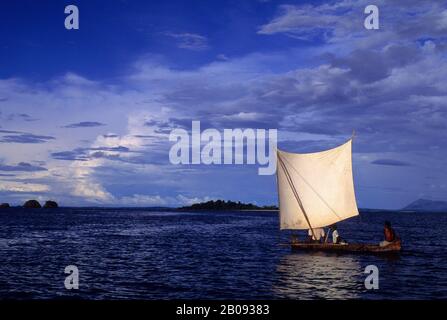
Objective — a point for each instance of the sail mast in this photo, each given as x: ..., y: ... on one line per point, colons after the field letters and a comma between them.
x: 295, y: 193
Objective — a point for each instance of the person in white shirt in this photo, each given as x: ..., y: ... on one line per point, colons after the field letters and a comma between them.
x: 335, y: 235
x: 336, y: 239
x: 317, y: 235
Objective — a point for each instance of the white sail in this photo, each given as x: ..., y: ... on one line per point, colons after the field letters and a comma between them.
x: 315, y: 188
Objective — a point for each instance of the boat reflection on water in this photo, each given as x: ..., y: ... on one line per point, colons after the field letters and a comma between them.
x: 319, y: 275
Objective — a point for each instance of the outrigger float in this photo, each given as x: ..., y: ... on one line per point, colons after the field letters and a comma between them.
x: 316, y: 190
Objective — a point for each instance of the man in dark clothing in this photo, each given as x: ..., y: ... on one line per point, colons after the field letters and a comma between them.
x: 389, y: 233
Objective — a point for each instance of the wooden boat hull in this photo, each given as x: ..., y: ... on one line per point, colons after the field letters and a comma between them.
x: 352, y: 247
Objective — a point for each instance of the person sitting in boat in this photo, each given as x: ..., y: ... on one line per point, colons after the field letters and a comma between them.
x: 317, y: 235
x: 336, y: 239
x: 389, y: 233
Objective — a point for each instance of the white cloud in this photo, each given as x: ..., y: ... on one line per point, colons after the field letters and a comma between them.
x: 309, y: 21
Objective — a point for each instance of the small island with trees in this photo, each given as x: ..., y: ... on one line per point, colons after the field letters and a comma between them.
x: 222, y: 205
x: 33, y: 204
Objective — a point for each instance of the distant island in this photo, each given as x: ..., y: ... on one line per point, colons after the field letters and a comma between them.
x: 427, y: 205
x: 222, y: 205
x: 33, y: 204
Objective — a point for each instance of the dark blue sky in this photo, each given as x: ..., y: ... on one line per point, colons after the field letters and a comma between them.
x: 112, y: 35
x: 85, y: 114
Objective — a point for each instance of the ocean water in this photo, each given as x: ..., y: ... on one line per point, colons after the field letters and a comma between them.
x: 145, y: 254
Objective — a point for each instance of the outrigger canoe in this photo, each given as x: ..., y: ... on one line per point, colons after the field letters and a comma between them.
x: 352, y: 247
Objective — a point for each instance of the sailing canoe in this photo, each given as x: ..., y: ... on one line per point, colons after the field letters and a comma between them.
x: 316, y: 190
x: 352, y: 247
